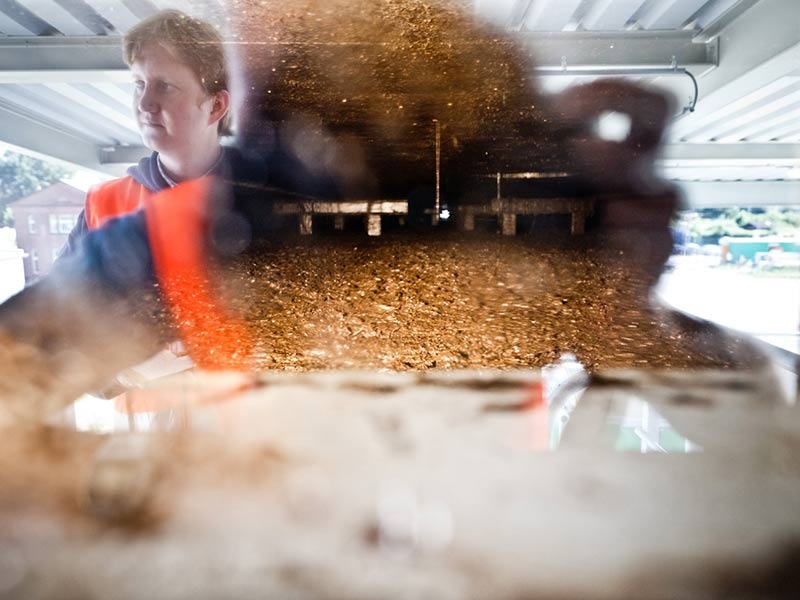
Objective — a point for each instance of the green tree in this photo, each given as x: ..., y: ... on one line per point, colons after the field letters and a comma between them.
x: 21, y: 175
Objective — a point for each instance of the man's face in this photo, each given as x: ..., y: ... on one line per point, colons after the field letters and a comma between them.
x: 171, y: 108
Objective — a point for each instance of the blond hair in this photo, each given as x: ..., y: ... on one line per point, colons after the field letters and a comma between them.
x: 192, y: 41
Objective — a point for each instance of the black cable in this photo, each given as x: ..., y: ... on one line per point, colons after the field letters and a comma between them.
x: 692, y: 106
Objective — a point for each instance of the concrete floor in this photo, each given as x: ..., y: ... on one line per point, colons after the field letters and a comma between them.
x: 766, y: 307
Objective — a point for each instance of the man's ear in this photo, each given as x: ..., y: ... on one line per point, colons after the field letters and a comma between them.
x: 221, y: 103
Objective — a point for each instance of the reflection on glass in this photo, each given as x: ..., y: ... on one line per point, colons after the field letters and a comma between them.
x: 541, y: 411
x: 640, y: 428
x: 631, y: 423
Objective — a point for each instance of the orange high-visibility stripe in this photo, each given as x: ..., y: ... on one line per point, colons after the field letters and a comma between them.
x: 177, y: 224
x: 114, y: 199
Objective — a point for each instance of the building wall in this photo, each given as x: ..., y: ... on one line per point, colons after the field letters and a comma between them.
x: 41, y: 232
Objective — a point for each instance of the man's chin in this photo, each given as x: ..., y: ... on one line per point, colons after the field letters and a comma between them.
x: 157, y: 144
x: 152, y: 135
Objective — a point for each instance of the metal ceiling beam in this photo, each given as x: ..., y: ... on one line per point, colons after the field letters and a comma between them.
x: 61, y: 58
x: 64, y: 76
x: 581, y: 48
x: 20, y: 130
x: 61, y: 53
x: 725, y: 152
x: 709, y: 194
x: 625, y: 49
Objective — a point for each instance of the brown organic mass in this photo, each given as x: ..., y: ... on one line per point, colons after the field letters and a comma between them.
x: 453, y: 301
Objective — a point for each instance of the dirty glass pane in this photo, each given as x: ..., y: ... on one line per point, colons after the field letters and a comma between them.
x: 391, y: 299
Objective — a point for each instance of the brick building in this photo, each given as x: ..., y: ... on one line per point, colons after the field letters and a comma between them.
x: 43, y: 220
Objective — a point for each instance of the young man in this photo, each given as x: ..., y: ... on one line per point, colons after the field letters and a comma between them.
x: 180, y: 103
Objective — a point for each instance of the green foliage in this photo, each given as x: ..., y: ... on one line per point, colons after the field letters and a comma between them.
x: 6, y: 218
x: 708, y: 228
x: 708, y: 224
x: 784, y: 218
x: 22, y: 175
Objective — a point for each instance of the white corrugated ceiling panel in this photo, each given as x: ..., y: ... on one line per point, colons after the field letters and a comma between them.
x: 669, y: 14
x: 610, y: 15
x: 115, y: 12
x: 57, y: 16
x: 56, y: 110
x: 550, y: 15
x: 737, y: 111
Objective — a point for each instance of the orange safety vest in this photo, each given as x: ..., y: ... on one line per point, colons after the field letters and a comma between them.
x: 177, y: 223
x: 114, y: 199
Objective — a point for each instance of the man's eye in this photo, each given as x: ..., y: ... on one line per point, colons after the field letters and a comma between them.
x: 163, y: 86
x: 138, y: 85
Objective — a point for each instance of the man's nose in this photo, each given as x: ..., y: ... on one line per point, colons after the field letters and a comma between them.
x: 147, y: 101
